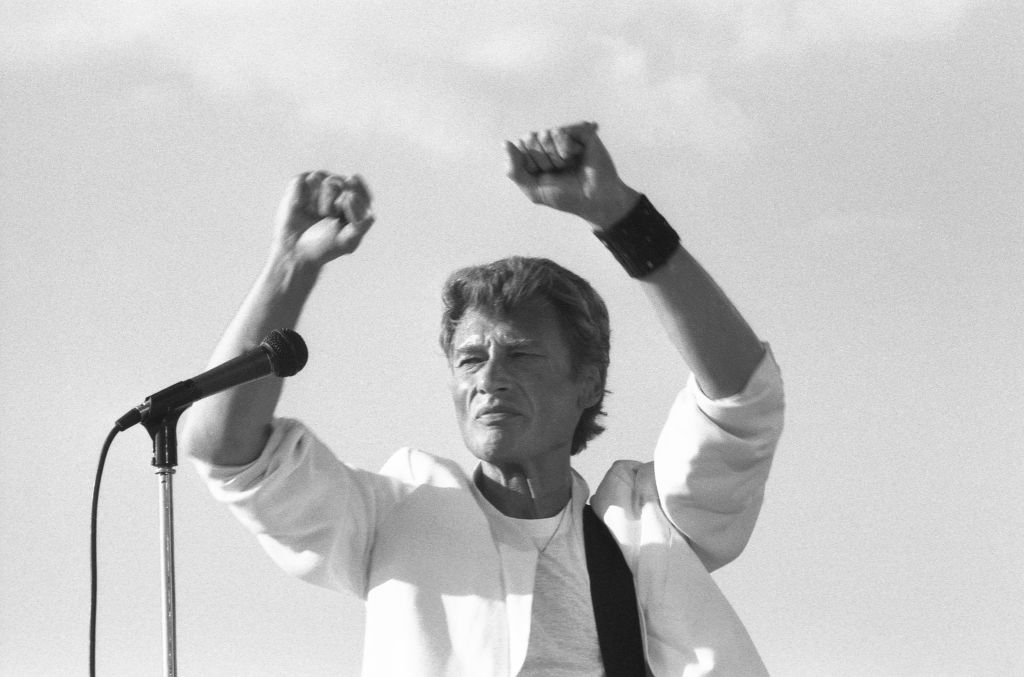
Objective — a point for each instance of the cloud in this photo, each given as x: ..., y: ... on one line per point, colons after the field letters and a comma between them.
x: 794, y: 27
x: 447, y: 80
x: 515, y: 50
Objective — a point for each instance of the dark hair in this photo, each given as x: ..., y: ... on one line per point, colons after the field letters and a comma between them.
x: 507, y: 284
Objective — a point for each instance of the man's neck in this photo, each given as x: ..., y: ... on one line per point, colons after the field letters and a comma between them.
x: 518, y: 493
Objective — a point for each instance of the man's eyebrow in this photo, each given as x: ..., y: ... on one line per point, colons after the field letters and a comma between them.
x: 521, y: 342
x: 471, y: 343
x: 474, y: 343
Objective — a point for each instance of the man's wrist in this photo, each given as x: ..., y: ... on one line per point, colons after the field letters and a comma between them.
x: 288, y: 269
x: 613, y: 207
x: 641, y: 240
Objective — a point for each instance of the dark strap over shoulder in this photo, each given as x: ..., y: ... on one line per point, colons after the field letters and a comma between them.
x: 614, y: 598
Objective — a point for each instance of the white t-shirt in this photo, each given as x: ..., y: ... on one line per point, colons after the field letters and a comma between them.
x: 563, y: 634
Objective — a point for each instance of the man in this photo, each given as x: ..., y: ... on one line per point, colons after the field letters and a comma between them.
x: 491, y: 574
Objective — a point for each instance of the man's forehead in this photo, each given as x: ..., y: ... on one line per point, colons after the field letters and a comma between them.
x: 476, y: 328
x: 523, y: 325
x: 472, y: 339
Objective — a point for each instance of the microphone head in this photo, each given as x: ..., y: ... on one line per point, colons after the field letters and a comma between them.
x: 287, y: 351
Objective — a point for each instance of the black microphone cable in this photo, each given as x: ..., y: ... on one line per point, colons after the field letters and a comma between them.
x: 92, y: 548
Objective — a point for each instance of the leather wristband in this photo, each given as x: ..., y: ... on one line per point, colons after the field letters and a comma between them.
x: 642, y: 240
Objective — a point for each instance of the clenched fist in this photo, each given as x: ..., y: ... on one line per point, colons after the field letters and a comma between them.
x: 569, y: 169
x: 322, y: 216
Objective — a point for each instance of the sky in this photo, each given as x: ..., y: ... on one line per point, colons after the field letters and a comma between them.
x: 850, y: 172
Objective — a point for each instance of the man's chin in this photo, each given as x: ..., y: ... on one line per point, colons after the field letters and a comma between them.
x: 495, y: 449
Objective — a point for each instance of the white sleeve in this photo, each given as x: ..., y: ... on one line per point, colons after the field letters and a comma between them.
x: 712, y: 461
x: 314, y: 515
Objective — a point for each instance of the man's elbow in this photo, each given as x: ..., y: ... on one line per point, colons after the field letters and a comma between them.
x: 721, y: 537
x: 717, y: 556
x: 213, y: 442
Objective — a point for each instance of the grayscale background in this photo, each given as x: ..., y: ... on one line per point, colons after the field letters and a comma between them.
x: 850, y: 171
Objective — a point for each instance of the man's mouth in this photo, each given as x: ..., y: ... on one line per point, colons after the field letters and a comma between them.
x: 495, y: 413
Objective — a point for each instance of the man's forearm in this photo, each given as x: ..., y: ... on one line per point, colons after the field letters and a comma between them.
x: 707, y: 329
x: 231, y: 427
x: 321, y: 217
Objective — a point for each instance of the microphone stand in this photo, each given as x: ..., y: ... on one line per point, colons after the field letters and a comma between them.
x: 162, y: 425
x: 284, y: 353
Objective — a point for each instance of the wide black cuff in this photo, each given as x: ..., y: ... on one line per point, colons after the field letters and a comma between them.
x: 641, y: 241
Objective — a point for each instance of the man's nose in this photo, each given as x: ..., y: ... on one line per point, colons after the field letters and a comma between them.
x: 493, y: 377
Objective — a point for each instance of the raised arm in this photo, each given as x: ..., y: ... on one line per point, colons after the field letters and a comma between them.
x: 569, y: 169
x: 322, y: 216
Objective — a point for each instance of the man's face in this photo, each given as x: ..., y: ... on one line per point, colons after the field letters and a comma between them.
x: 512, y: 385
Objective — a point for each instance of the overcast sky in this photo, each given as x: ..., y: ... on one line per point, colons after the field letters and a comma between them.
x: 850, y: 171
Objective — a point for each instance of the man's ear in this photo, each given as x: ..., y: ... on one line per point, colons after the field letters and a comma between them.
x: 591, y: 389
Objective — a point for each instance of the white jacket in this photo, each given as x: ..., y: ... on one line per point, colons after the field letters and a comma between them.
x: 447, y: 594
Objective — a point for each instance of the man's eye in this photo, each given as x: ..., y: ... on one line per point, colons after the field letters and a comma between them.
x: 469, y: 361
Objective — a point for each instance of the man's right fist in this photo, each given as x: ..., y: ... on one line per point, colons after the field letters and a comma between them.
x: 569, y: 169
x: 323, y: 216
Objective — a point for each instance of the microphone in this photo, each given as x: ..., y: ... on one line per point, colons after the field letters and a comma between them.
x: 282, y: 353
